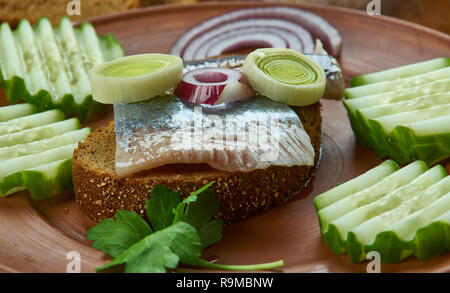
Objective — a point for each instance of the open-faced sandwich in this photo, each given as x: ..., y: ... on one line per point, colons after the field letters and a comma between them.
x: 254, y: 130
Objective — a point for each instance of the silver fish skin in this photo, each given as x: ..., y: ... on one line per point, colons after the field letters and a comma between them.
x: 237, y: 136
x: 335, y: 88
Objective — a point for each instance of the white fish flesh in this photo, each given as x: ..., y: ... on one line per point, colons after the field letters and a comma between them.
x: 238, y: 136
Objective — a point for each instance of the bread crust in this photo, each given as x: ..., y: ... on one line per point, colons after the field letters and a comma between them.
x: 101, y: 193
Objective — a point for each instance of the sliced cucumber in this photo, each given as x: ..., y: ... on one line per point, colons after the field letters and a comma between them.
x: 40, y: 132
x: 388, y: 123
x: 433, y: 125
x: 420, y: 234
x: 401, y: 72
x: 39, y: 146
x: 404, y: 113
x: 418, y: 103
x: 359, y: 183
x: 413, y: 218
x: 48, y: 67
x: 330, y: 214
x: 37, y: 79
x: 370, y: 133
x: 53, y: 62
x: 435, y: 131
x: 422, y: 216
x: 432, y: 153
x: 31, y: 121
x: 371, y: 193
x: 36, y: 151
x: 391, y: 85
x: 359, y: 123
x: 10, y: 62
x: 111, y: 48
x: 16, y: 111
x: 14, y: 165
x: 70, y: 50
x: 419, y: 130
x: 391, y: 201
x: 357, y: 127
x: 403, y: 144
x: 440, y: 86
x: 367, y: 231
x: 90, y: 46
x: 42, y: 181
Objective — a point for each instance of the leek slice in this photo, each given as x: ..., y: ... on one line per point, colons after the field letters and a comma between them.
x: 135, y: 78
x: 285, y: 75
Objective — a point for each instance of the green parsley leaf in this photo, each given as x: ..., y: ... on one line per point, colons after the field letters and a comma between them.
x: 199, y: 214
x: 182, y: 230
x: 180, y: 209
x: 160, y: 206
x: 161, y: 250
x: 115, y: 236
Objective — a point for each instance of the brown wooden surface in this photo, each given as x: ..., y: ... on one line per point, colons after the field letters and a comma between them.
x: 36, y: 236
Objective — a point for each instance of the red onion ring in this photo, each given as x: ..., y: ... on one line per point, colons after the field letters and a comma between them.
x: 214, y: 85
x: 232, y: 34
x: 316, y: 25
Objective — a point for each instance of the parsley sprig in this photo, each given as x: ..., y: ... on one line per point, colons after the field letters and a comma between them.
x: 179, y: 232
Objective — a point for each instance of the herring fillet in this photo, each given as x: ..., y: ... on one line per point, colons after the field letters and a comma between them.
x: 334, y: 89
x: 239, y: 136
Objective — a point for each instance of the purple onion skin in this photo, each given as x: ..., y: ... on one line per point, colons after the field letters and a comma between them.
x: 316, y: 25
x: 197, y: 94
x: 213, y: 85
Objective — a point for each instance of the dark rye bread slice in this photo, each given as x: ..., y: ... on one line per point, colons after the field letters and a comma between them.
x: 101, y: 193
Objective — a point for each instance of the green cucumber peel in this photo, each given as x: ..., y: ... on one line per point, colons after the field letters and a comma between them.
x: 429, y: 241
x: 426, y: 140
x: 42, y: 181
x: 431, y: 148
x: 384, y: 144
x: 16, y: 82
x: 430, y: 153
x: 370, y: 135
x: 357, y: 127
x: 413, y: 219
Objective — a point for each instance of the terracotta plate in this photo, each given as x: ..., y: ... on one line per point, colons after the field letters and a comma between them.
x: 36, y: 236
